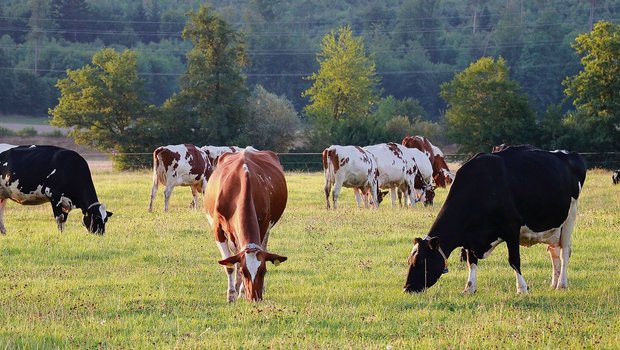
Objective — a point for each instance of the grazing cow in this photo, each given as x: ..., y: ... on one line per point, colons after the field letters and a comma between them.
x: 245, y: 197
x: 352, y: 167
x: 394, y: 170
x: 423, y: 176
x: 32, y: 175
x: 180, y: 165
x: 214, y: 152
x: 441, y: 173
x: 521, y: 196
x: 615, y: 178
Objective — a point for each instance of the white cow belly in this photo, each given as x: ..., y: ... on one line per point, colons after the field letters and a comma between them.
x: 527, y: 237
x: 355, y: 181
x: 13, y: 192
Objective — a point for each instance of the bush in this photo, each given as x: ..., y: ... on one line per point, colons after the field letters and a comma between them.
x: 27, y: 132
x: 6, y: 132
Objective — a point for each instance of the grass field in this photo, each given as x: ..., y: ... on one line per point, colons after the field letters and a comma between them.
x: 153, y: 281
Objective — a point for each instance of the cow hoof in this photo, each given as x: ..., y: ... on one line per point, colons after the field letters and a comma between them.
x: 522, y: 291
x: 468, y: 291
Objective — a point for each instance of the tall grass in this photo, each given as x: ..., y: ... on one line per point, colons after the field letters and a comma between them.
x: 153, y: 281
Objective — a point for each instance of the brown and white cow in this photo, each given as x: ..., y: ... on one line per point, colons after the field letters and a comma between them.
x: 214, y: 152
x: 352, y: 167
x: 394, y: 170
x: 246, y: 196
x: 441, y: 173
x: 180, y: 165
x: 422, y: 170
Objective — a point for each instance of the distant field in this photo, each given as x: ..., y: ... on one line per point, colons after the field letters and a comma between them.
x: 153, y: 280
x: 16, y: 119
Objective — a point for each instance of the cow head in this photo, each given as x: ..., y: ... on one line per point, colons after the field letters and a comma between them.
x: 95, y: 218
x: 429, y: 195
x: 443, y: 176
x: 426, y: 264
x: 252, y: 264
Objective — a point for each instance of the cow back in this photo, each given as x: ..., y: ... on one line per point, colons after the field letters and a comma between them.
x: 249, y: 186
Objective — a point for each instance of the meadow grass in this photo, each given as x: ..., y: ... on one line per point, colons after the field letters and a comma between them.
x: 153, y: 280
x: 20, y: 119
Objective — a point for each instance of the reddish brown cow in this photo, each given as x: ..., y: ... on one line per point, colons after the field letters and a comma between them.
x: 246, y: 196
x: 441, y: 172
x: 180, y: 165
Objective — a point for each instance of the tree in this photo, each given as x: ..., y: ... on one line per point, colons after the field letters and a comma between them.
x: 70, y: 16
x: 344, y: 88
x: 273, y: 123
x: 103, y: 105
x: 486, y: 108
x: 595, y: 89
x: 213, y: 88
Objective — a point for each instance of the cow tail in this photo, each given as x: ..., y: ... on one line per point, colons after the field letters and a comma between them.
x: 327, y: 167
x: 158, y: 172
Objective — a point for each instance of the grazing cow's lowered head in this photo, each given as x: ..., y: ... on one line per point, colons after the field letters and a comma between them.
x: 616, y: 177
x: 95, y: 218
x: 426, y: 264
x: 252, y: 263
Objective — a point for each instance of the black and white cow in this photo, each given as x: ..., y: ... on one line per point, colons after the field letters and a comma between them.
x: 31, y: 175
x: 521, y: 196
x: 615, y: 177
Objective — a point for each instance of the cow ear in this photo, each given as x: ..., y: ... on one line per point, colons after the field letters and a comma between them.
x: 417, y: 240
x: 109, y: 213
x: 231, y: 260
x: 275, y: 258
x: 433, y: 243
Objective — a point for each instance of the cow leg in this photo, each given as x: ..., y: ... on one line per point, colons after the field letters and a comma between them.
x: 359, y: 199
x: 565, y: 243
x: 153, y: 192
x: 231, y: 291
x: 59, y: 214
x: 514, y: 259
x: 327, y: 189
x: 472, y: 265
x: 2, y: 205
x: 393, y: 195
x: 194, y: 203
x: 554, y: 253
x: 167, y: 193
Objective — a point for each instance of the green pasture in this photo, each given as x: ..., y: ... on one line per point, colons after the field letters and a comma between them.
x: 19, y: 119
x: 153, y: 280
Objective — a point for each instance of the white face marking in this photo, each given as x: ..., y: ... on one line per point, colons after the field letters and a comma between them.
x: 103, y: 212
x: 246, y: 169
x: 52, y: 173
x: 252, y: 264
x: 33, y: 146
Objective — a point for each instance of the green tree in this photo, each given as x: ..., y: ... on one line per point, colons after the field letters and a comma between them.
x: 213, y: 88
x: 595, y: 89
x: 344, y: 89
x: 273, y: 122
x: 486, y: 108
x: 103, y: 105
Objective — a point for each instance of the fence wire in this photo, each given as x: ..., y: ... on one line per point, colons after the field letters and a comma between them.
x: 311, y: 162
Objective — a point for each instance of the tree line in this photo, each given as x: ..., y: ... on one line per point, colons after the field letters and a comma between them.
x: 412, y: 57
